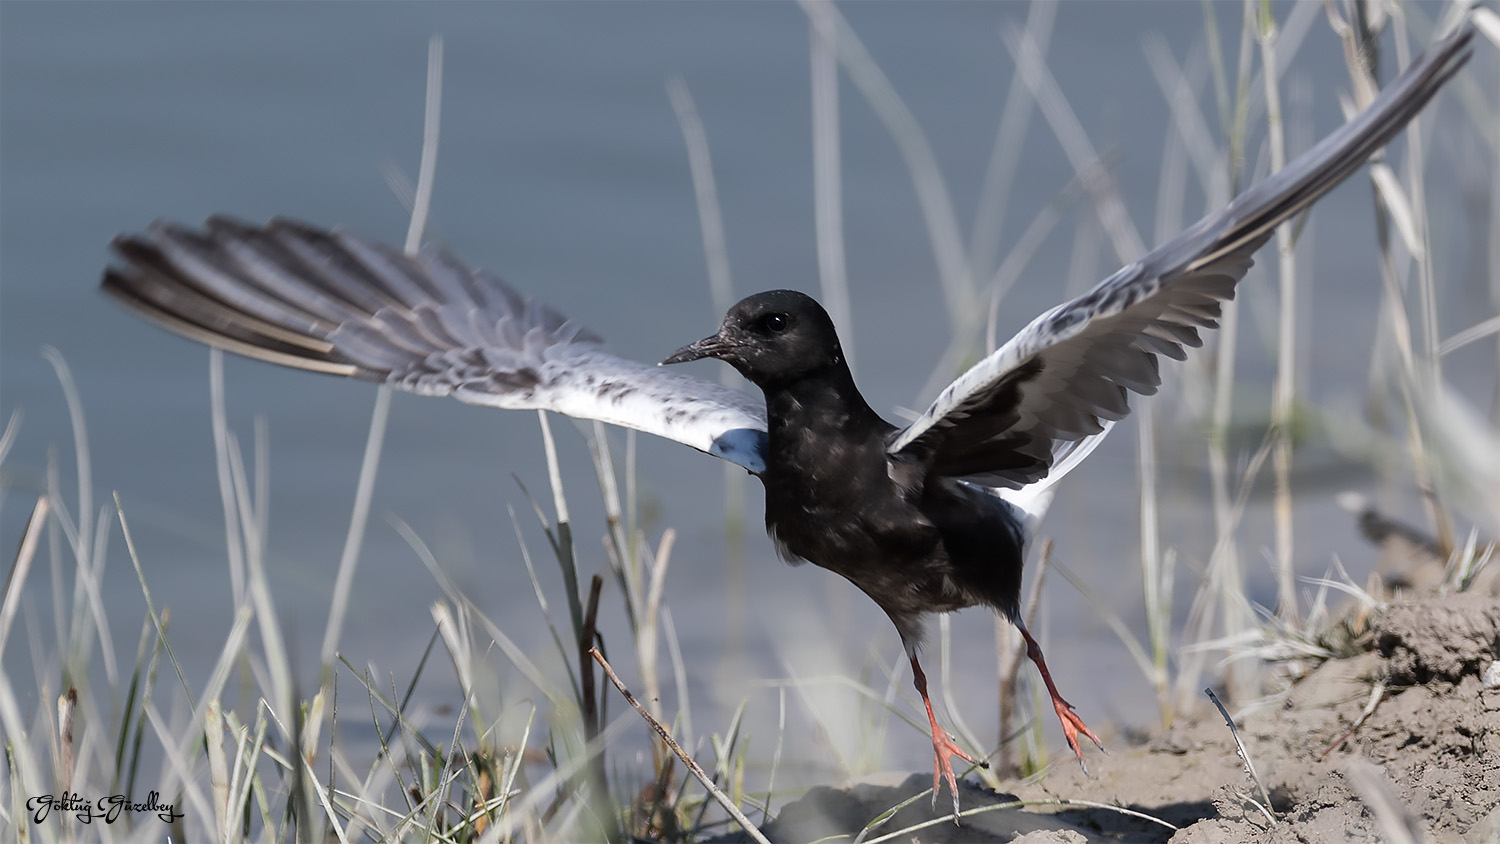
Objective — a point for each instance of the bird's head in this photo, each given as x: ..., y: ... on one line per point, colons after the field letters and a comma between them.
x: 771, y: 338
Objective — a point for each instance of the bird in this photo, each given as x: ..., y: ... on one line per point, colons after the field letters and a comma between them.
x: 930, y: 517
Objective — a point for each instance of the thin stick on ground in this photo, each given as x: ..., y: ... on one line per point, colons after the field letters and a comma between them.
x: 1245, y: 757
x: 713, y: 790
x: 1376, y: 694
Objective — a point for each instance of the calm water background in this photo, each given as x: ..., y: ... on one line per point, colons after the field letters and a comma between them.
x: 562, y: 168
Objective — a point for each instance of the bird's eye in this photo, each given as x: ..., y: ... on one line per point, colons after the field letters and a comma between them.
x: 775, y: 323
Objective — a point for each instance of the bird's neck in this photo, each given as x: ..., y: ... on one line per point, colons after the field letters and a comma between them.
x: 822, y: 402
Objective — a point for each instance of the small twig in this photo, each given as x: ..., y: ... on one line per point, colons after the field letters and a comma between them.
x: 585, y: 670
x: 20, y: 566
x: 1376, y: 694
x: 590, y: 702
x: 704, y: 778
x: 1245, y: 757
x: 67, y: 708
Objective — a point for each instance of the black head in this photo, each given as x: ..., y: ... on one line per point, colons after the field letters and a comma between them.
x: 772, y: 337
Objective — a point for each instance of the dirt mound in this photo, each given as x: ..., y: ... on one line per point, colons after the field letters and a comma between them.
x: 1442, y: 639
x: 1426, y: 759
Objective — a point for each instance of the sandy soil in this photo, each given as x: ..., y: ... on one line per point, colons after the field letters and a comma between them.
x: 1424, y: 763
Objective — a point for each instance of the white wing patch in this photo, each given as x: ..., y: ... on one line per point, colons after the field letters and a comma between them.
x: 589, y: 383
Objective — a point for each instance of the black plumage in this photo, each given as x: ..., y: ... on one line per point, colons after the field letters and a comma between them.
x: 913, y: 536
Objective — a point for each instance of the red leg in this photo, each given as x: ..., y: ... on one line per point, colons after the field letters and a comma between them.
x: 1072, y: 725
x: 943, y: 746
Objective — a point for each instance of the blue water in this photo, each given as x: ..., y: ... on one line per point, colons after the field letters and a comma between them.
x: 562, y: 168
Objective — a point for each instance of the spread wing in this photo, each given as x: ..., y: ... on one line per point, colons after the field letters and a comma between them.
x: 1058, y: 381
x: 334, y: 302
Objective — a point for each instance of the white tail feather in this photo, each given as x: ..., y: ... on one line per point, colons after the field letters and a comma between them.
x: 1033, y: 500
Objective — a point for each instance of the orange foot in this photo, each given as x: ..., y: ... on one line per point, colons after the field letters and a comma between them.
x: 1072, y: 725
x: 943, y: 749
x: 943, y: 746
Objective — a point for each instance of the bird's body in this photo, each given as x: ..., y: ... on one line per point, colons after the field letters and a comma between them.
x: 914, y: 541
x: 895, y: 521
x: 929, y: 518
x: 937, y: 547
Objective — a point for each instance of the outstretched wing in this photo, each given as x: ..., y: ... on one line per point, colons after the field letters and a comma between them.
x: 334, y: 302
x: 1072, y: 369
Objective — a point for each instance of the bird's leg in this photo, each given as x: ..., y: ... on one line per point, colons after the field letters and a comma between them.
x: 1072, y: 725
x: 943, y: 746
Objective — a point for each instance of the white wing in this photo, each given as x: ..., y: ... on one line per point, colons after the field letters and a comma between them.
x: 337, y: 303
x: 1062, y: 377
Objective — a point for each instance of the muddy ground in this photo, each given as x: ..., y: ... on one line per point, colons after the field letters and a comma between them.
x: 1423, y: 766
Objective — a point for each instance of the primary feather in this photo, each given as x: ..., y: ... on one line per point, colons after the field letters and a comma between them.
x: 1008, y: 419
x: 337, y: 303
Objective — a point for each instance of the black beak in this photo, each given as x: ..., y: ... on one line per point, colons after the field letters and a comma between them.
x: 708, y: 347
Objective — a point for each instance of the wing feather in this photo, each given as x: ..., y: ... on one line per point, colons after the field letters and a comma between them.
x: 1065, y: 375
x: 331, y: 301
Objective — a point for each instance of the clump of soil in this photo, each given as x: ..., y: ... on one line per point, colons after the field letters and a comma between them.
x: 1426, y: 759
x: 1442, y: 640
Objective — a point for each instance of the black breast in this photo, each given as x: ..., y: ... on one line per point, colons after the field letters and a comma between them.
x: 941, y: 547
x: 916, y: 543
